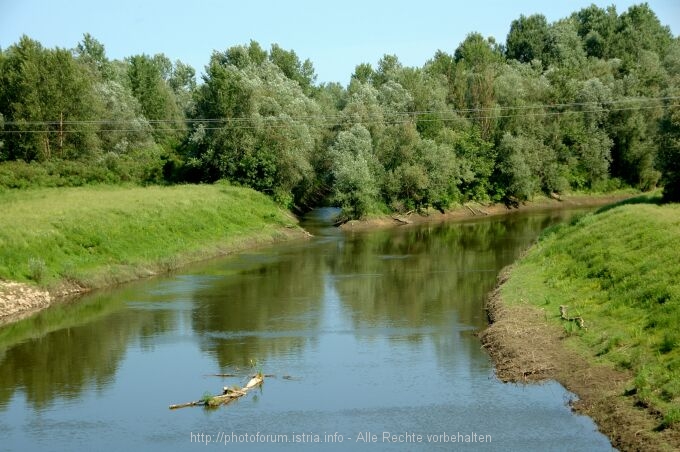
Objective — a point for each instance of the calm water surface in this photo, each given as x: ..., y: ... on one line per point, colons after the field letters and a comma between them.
x: 375, y: 331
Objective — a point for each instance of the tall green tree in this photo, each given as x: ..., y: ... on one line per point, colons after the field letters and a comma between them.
x: 527, y: 39
x: 147, y: 81
x: 45, y: 95
x: 597, y: 28
x: 300, y: 71
x: 355, y: 169
x: 263, y: 129
x: 480, y: 60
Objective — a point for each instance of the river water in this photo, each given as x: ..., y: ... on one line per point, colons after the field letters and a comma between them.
x: 368, y: 338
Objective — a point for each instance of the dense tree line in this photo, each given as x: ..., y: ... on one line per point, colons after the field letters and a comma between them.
x: 589, y: 102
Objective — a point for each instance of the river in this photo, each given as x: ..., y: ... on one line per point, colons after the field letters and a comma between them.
x: 369, y: 339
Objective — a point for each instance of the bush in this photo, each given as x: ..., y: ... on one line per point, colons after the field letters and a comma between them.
x: 37, y: 269
x: 669, y: 156
x: 144, y: 166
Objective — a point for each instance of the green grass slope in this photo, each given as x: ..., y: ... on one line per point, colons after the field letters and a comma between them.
x: 97, y: 236
x: 620, y: 270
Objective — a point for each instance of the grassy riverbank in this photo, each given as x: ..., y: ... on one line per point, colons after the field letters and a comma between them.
x: 619, y: 270
x: 103, y: 235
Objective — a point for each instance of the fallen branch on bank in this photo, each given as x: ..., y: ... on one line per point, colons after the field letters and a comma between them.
x: 578, y: 319
x: 401, y: 220
x: 476, y: 210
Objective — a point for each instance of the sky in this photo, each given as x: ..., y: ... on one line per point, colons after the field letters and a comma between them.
x: 335, y: 36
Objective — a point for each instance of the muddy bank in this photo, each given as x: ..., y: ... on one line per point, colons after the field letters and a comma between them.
x: 477, y: 210
x: 526, y: 348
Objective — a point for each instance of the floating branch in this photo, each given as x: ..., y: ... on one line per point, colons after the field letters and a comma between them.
x: 285, y: 377
x: 228, y: 395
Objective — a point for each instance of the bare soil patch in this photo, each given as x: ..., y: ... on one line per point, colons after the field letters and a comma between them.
x: 19, y: 300
x: 525, y: 347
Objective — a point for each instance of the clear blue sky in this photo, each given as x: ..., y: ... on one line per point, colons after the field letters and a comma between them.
x: 336, y: 36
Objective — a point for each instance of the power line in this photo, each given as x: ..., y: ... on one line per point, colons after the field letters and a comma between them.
x: 337, y: 119
x: 340, y: 114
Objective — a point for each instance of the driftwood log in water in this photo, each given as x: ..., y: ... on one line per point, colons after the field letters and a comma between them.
x: 228, y: 395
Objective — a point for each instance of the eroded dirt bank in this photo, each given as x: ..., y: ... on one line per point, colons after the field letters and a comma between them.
x: 526, y: 348
x: 477, y: 210
x: 18, y: 300
x: 21, y: 300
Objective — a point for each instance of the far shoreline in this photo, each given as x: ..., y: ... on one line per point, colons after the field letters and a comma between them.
x: 476, y: 210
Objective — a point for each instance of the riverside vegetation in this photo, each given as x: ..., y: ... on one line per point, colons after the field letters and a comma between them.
x: 98, y: 236
x: 588, y: 102
x: 95, y: 154
x: 618, y: 270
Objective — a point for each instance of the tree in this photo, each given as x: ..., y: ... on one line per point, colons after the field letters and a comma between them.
x: 363, y: 107
x: 477, y: 159
x: 520, y: 166
x: 480, y: 60
x: 126, y: 127
x: 669, y: 153
x: 639, y: 29
x: 597, y: 29
x: 395, y: 101
x: 269, y: 128
x: 2, y: 126
x: 527, y: 39
x: 443, y: 169
x: 443, y: 64
x: 429, y: 92
x: 182, y: 81
x: 388, y: 66
x: 92, y: 53
x: 46, y: 94
x: 354, y: 172
x: 363, y: 73
x: 289, y: 63
x: 147, y: 81
x: 564, y: 49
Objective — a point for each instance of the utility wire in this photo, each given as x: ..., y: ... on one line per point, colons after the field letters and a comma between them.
x: 340, y: 114
x: 336, y: 119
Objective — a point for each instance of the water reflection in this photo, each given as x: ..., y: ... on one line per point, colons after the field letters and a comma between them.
x: 420, y: 276
x: 377, y: 326
x: 64, y: 350
x: 408, y: 284
x: 269, y: 307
